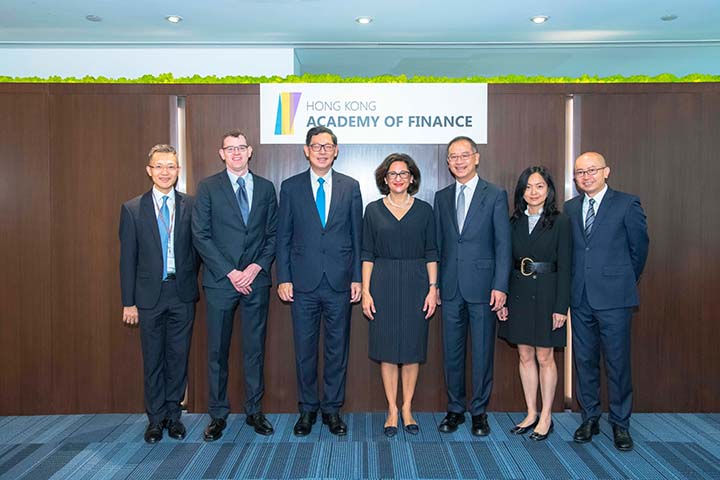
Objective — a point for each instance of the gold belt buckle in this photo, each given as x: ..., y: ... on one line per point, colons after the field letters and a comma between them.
x: 522, y: 266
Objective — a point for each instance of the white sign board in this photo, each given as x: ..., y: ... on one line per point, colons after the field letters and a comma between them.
x: 374, y: 113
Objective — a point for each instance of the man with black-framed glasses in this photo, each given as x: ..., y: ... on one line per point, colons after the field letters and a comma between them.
x: 234, y: 226
x: 158, y: 278
x: 610, y: 246
x: 318, y: 273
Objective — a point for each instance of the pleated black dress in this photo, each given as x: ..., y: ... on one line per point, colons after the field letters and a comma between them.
x: 399, y: 250
x: 533, y: 299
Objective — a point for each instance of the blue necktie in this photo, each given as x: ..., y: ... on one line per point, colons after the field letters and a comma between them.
x: 589, y: 218
x: 320, y: 201
x: 164, y: 225
x: 243, y: 200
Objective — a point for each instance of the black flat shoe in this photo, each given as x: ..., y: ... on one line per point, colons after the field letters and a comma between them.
x: 586, y: 430
x: 622, y: 439
x: 539, y: 437
x: 214, y: 430
x: 335, y: 424
x: 518, y: 430
x: 390, y: 431
x: 304, y: 424
x: 261, y: 424
x: 451, y: 421
x: 412, y: 429
x: 480, y: 425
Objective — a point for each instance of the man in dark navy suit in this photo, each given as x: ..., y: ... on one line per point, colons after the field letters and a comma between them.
x: 610, y: 246
x: 318, y: 270
x: 473, y: 235
x: 158, y: 277
x: 234, y: 225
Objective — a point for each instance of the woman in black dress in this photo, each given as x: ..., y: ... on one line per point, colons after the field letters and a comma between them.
x: 537, y: 306
x: 399, y: 282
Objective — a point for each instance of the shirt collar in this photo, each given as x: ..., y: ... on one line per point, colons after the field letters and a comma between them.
x: 159, y: 195
x: 233, y: 178
x: 598, y: 196
x: 527, y: 212
x: 471, y: 184
x: 327, y: 177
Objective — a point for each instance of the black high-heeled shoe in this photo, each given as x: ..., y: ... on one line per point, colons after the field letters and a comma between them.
x: 539, y: 437
x: 518, y: 430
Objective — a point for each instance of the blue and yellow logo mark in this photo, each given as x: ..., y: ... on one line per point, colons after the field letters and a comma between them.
x: 287, y: 107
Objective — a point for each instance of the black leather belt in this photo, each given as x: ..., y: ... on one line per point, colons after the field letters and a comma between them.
x: 529, y: 267
x: 170, y: 276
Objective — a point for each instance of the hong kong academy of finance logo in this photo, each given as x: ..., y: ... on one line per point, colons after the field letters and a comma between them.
x: 287, y: 106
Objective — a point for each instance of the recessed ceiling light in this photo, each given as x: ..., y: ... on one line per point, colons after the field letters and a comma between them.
x: 538, y: 19
x: 174, y: 18
x: 668, y: 18
x: 364, y: 20
x: 93, y: 18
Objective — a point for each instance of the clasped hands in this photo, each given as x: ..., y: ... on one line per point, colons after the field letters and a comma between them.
x: 242, y: 279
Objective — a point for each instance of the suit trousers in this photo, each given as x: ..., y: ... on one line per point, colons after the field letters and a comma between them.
x: 221, y: 306
x: 606, y: 331
x: 165, y: 332
x: 308, y: 308
x: 458, y: 316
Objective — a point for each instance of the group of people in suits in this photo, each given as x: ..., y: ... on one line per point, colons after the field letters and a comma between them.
x: 402, y: 259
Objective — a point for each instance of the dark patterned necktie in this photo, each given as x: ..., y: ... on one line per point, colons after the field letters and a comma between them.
x: 243, y: 200
x: 590, y: 217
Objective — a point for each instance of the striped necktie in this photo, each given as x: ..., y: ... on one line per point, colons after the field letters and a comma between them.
x: 590, y: 217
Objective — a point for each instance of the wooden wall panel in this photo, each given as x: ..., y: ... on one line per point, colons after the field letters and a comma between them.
x: 663, y: 147
x: 99, y: 146
x: 26, y: 335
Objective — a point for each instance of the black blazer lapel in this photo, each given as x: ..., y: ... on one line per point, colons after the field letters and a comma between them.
x: 308, y: 193
x: 258, y: 193
x: 335, y: 196
x: 602, y: 210
x: 147, y: 213
x: 478, y: 200
x: 180, y: 212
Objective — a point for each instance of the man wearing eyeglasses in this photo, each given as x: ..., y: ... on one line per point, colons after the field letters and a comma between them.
x: 234, y: 225
x: 473, y: 235
x: 318, y: 272
x: 158, y: 278
x: 610, y: 246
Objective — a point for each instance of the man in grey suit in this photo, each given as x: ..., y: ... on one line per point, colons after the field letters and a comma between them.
x: 610, y: 246
x: 158, y: 277
x: 234, y: 225
x: 473, y: 236
x: 318, y: 270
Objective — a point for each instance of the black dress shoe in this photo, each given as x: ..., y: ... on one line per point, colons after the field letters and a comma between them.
x: 214, y: 430
x: 586, y: 430
x: 335, y: 424
x: 390, y: 431
x: 153, y: 432
x: 480, y: 427
x: 539, y: 437
x: 451, y: 421
x: 518, y: 430
x: 304, y: 424
x: 261, y: 424
x: 622, y: 439
x: 175, y: 429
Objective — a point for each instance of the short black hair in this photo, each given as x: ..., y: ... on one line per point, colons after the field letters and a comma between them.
x: 463, y: 138
x: 317, y: 131
x: 383, y: 168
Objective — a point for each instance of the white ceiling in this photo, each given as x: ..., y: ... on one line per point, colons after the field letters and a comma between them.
x: 415, y: 37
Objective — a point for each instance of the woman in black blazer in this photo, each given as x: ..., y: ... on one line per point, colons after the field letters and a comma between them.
x: 536, y: 311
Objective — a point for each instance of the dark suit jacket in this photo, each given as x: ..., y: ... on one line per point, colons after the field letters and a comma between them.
x: 306, y: 250
x: 222, y: 238
x: 141, y: 258
x: 609, y: 264
x: 478, y: 260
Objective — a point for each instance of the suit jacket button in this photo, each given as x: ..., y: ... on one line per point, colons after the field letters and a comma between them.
x: 459, y: 240
x: 587, y: 249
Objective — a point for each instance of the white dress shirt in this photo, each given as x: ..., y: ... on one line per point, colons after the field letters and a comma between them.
x: 158, y: 201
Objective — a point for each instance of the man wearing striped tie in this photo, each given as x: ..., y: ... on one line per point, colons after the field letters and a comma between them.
x: 234, y: 225
x: 318, y: 272
x: 158, y: 278
x: 610, y: 246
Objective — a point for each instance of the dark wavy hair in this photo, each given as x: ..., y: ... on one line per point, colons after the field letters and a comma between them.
x: 383, y: 168
x: 550, y: 210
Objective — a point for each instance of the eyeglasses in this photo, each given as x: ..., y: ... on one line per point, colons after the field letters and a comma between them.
x: 590, y: 171
x: 325, y: 147
x: 160, y: 168
x: 404, y: 174
x: 236, y: 149
x: 455, y: 157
